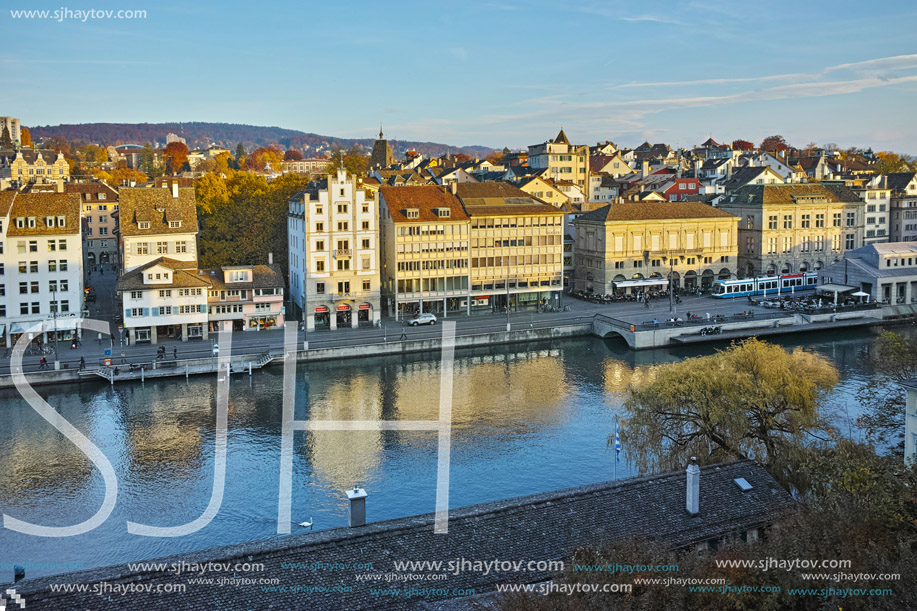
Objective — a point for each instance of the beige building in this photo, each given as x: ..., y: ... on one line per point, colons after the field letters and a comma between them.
x: 564, y: 161
x: 543, y: 190
x: 630, y: 247
x: 155, y: 223
x: 794, y: 228
x: 333, y: 233
x: 18, y: 168
x: 517, y: 244
x: 425, y: 251
x: 98, y: 202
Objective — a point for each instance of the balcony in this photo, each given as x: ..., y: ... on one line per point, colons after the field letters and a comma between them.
x: 342, y: 252
x: 341, y: 296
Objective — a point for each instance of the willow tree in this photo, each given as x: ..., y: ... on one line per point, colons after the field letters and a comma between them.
x: 753, y: 400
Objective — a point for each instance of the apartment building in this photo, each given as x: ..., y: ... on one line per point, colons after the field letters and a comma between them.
x: 164, y: 299
x: 98, y: 205
x: 245, y: 297
x: 794, y: 228
x: 635, y: 246
x: 878, y: 197
x: 563, y: 161
x: 11, y: 124
x: 425, y: 251
x: 333, y: 229
x: 155, y: 223
x: 41, y: 273
x: 903, y: 207
x: 517, y: 248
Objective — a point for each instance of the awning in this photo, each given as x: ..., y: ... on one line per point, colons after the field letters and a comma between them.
x: 860, y: 294
x: 835, y: 288
x: 16, y: 328
x: 631, y: 283
x: 2, y: 329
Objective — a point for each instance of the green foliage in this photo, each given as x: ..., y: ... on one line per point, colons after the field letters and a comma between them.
x: 244, y: 217
x: 6, y: 142
x: 354, y: 161
x: 752, y: 400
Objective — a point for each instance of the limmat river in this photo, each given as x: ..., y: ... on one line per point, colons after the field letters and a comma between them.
x: 528, y: 418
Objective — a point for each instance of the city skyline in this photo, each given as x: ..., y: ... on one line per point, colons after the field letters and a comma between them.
x: 484, y: 73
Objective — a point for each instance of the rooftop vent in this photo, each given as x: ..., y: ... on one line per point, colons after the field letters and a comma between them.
x: 743, y: 484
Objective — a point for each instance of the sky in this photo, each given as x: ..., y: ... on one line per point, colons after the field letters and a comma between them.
x: 479, y: 72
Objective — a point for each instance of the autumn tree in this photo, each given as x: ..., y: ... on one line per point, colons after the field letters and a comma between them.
x: 292, y: 155
x: 6, y: 142
x: 25, y: 136
x: 752, y: 400
x: 888, y: 162
x: 175, y: 156
x: 354, y: 161
x: 774, y: 144
x: 742, y: 145
x: 261, y: 157
x: 126, y: 176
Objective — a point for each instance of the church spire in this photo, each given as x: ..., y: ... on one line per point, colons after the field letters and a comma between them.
x: 380, y: 131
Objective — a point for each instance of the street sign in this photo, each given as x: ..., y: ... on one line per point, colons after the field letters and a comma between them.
x: 108, y: 352
x: 120, y: 327
x: 108, y: 362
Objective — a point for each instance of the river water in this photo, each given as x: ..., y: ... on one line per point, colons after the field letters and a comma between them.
x: 526, y: 419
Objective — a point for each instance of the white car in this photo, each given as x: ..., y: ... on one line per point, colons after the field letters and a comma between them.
x: 423, y: 319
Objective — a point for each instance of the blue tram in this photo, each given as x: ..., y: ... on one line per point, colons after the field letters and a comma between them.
x: 765, y: 285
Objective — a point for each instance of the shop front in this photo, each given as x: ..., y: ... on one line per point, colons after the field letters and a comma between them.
x: 365, y: 315
x: 262, y: 323
x: 344, y: 316
x: 319, y: 319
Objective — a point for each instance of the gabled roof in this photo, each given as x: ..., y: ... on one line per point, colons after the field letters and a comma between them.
x: 158, y: 207
x: 184, y: 275
x: 654, y: 211
x: 41, y: 206
x: 788, y: 194
x: 93, y: 189
x: 424, y: 198
x: 898, y: 181
x: 561, y: 138
x: 491, y: 198
x: 745, y: 175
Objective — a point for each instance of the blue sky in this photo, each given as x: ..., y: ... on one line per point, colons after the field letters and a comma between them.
x: 489, y: 73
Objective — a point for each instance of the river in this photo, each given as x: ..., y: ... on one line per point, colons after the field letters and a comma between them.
x: 526, y: 419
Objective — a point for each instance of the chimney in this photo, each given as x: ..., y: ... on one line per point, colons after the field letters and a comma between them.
x: 697, y: 166
x: 646, y: 169
x: 175, y: 189
x: 270, y: 258
x: 454, y: 187
x: 357, y: 498
x: 693, y: 488
x: 729, y: 170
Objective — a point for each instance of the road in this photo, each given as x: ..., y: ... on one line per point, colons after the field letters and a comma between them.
x: 254, y: 342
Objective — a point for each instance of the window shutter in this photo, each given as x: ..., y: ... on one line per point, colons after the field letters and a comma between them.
x: 202, y: 309
x: 127, y: 313
x: 146, y: 312
x: 155, y: 311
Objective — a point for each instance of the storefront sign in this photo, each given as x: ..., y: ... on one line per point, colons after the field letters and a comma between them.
x: 343, y: 308
x: 321, y: 309
x: 364, y: 306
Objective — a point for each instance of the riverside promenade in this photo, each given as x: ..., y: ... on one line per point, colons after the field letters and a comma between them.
x: 639, y: 326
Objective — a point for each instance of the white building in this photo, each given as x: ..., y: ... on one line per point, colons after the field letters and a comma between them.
x: 333, y: 254
x: 41, y: 273
x: 12, y: 124
x: 878, y: 197
x: 158, y: 222
x: 164, y: 298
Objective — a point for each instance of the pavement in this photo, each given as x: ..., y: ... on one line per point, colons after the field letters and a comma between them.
x: 256, y: 342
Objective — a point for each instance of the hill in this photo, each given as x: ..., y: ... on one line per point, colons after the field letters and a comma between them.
x: 202, y: 135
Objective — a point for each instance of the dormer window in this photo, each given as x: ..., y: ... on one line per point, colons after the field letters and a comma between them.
x: 62, y: 221
x: 31, y: 222
x: 412, y: 213
x: 174, y: 224
x: 143, y: 225
x: 49, y: 221
x: 443, y: 213
x: 20, y: 222
x: 101, y: 195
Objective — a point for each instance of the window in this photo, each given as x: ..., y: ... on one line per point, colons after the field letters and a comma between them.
x: 804, y: 222
x: 165, y: 293
x: 365, y: 208
x: 365, y: 225
x: 366, y: 285
x: 365, y: 243
x: 24, y: 308
x: 33, y: 245
x: 343, y: 226
x: 143, y: 248
x: 343, y: 264
x: 136, y: 294
x: 320, y: 266
x: 165, y: 310
x: 412, y: 213
x: 143, y: 225
x: 33, y: 287
x: 62, y: 245
x: 52, y: 245
x: 750, y: 222
x: 836, y: 219
x: 181, y: 247
x: 365, y: 263
x: 850, y: 241
x: 23, y: 288
x: 851, y: 219
x: 33, y: 267
x: 174, y: 224
x: 772, y: 222
x: 36, y: 308
x: 819, y: 220
x: 52, y: 266
x: 319, y: 227
x: 162, y: 248
x: 320, y: 245
x: 787, y: 221
x: 62, y: 265
x: 342, y: 208
x: 320, y: 288
x: 343, y: 288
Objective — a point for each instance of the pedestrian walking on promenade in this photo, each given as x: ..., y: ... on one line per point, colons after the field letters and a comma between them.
x: 42, y: 363
x: 175, y: 352
x: 82, y: 363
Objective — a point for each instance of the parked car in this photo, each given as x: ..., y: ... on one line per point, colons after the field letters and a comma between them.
x: 423, y: 319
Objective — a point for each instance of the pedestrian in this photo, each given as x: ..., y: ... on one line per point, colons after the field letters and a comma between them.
x: 100, y: 339
x: 42, y: 363
x: 708, y: 316
x: 175, y: 352
x: 82, y: 363
x: 78, y: 342
x: 403, y: 337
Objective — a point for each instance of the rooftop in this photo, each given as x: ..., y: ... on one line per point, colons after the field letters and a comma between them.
x: 423, y: 198
x: 41, y: 206
x: 654, y: 211
x: 157, y: 207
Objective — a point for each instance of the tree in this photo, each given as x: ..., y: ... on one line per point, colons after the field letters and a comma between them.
x: 25, y: 136
x: 809, y: 149
x: 893, y: 360
x: 774, y: 144
x: 240, y: 155
x: 6, y: 142
x: 261, y: 157
x: 752, y: 400
x: 292, y: 155
x: 889, y: 162
x: 742, y: 145
x: 126, y: 176
x: 175, y: 156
